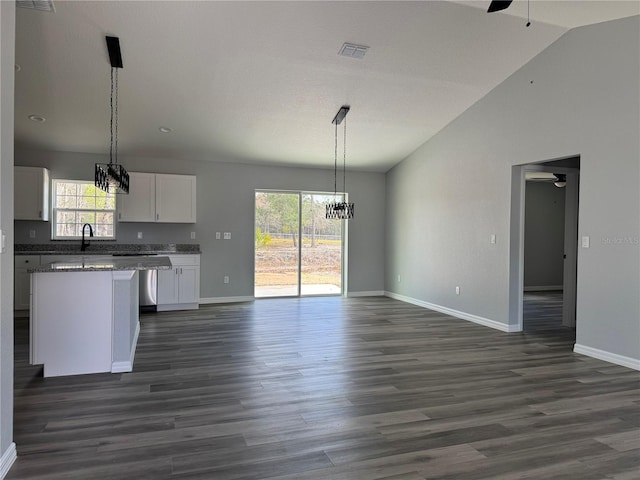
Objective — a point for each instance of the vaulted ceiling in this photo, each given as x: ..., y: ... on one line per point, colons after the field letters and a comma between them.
x: 259, y: 82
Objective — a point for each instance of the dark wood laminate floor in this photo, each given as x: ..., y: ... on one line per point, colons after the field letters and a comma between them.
x: 331, y: 389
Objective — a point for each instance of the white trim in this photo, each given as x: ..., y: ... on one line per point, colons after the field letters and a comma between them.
x: 543, y: 288
x: 369, y: 293
x: 456, y: 313
x: 8, y: 458
x: 121, y: 367
x: 208, y: 300
x: 172, y: 307
x: 607, y: 356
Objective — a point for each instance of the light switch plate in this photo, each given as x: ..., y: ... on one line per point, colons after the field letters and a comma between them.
x: 493, y: 238
x: 585, y: 241
x: 227, y: 235
x: 193, y: 235
x: 217, y: 235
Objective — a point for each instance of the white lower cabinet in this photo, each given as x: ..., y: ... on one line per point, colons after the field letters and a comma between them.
x: 179, y: 288
x: 22, y: 284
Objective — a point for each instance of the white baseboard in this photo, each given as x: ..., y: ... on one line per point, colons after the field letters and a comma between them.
x: 456, y: 313
x: 607, y: 356
x: 127, y: 366
x: 7, y: 460
x: 121, y: 367
x: 172, y: 307
x: 210, y: 300
x: 370, y: 293
x: 543, y: 288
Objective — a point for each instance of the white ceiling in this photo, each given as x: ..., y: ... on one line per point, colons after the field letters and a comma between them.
x: 259, y: 82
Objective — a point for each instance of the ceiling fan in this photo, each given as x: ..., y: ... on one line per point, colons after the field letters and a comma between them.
x: 497, y: 5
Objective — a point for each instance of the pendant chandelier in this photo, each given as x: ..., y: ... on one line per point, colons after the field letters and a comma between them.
x: 112, y: 177
x: 340, y: 210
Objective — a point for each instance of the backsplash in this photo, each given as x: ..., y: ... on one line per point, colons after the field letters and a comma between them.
x: 125, y: 233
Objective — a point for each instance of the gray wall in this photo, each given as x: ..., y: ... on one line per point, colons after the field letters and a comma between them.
x: 225, y: 203
x: 578, y: 97
x: 7, y: 42
x: 543, y: 235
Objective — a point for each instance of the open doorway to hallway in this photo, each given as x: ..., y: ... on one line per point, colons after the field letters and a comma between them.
x: 544, y: 237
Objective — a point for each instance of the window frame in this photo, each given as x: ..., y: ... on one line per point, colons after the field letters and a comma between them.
x: 55, y: 209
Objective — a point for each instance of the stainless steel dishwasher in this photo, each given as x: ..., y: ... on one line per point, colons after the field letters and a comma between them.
x: 148, y: 289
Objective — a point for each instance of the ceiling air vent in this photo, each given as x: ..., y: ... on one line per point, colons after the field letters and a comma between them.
x: 42, y: 5
x: 352, y: 50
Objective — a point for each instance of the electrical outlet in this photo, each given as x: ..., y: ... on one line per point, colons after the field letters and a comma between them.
x: 226, y: 279
x: 32, y: 234
x: 457, y: 290
x: 217, y: 235
x: 139, y: 235
x: 493, y: 238
x: 585, y: 241
x: 227, y: 235
x: 193, y: 235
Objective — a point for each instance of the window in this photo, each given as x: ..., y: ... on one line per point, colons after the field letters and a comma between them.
x: 78, y: 202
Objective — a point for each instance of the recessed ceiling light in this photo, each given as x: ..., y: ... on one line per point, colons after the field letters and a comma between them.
x: 165, y: 129
x: 37, y: 118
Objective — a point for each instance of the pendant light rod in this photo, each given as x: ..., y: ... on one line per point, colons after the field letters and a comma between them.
x: 342, y: 113
x: 344, y: 162
x: 342, y: 210
x: 335, y: 166
x: 113, y: 177
x: 115, y: 55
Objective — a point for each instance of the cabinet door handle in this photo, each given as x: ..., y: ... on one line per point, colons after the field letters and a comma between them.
x: 157, y: 216
x: 176, y: 271
x: 39, y: 213
x: 180, y: 270
x: 119, y: 216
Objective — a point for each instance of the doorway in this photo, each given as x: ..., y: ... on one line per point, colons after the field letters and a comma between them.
x: 554, y: 293
x: 298, y: 252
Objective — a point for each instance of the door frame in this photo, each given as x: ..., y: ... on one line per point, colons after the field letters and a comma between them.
x: 516, y: 242
x: 343, y: 246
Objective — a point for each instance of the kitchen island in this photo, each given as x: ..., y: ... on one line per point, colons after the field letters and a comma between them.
x: 84, y: 314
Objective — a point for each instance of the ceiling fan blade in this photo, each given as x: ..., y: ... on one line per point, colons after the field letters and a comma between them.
x: 497, y: 5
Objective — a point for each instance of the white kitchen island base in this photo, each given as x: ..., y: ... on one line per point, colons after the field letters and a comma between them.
x: 84, y: 322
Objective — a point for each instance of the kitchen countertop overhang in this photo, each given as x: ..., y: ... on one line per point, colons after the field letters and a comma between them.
x: 107, y: 248
x: 106, y: 264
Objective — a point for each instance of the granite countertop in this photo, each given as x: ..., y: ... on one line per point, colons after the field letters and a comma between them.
x: 106, y: 264
x: 107, y: 248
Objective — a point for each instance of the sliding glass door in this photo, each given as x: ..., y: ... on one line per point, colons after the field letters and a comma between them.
x: 297, y: 250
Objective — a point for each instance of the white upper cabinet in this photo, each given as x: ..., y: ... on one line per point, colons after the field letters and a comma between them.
x: 140, y: 204
x: 162, y: 198
x: 176, y: 198
x: 31, y: 193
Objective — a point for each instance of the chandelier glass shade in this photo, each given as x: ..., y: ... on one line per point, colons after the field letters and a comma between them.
x: 113, y: 177
x: 340, y: 210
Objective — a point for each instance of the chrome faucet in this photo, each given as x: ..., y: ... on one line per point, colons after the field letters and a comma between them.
x: 84, y: 245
